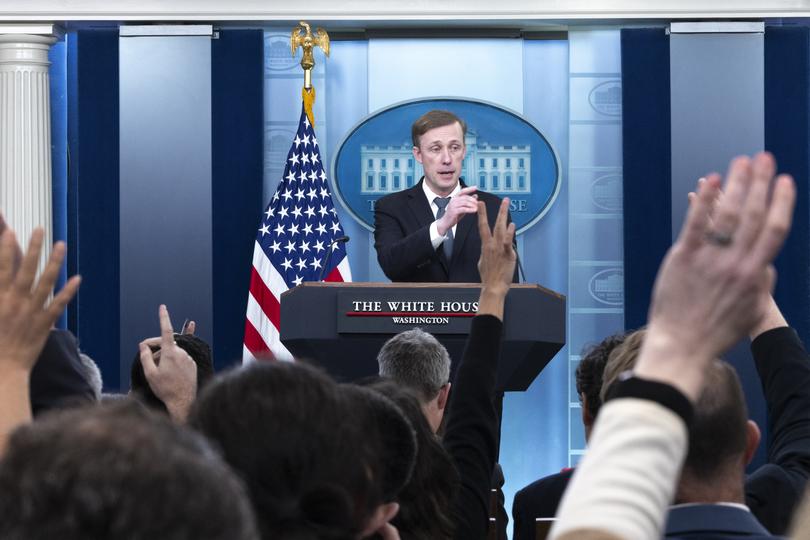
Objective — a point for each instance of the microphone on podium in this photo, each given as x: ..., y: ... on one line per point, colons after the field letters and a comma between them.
x: 328, y: 254
x: 521, y: 273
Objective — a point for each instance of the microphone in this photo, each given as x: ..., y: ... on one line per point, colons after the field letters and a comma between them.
x: 521, y: 273
x: 328, y: 254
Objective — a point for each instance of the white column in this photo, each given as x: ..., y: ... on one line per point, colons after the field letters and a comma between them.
x: 25, y: 135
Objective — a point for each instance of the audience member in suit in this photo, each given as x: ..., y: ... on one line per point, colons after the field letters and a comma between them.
x: 416, y: 360
x: 680, y: 402
x: 141, y: 387
x: 541, y: 498
x: 118, y: 471
x: 428, y: 233
x: 308, y: 451
x: 722, y: 440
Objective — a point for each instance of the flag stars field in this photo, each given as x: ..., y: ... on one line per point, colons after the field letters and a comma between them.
x: 284, y: 256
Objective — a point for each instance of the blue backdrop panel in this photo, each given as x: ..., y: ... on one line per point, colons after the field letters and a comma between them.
x: 717, y: 96
x: 92, y: 195
x: 647, y: 167
x: 787, y: 135
x: 237, y: 161
x: 165, y: 183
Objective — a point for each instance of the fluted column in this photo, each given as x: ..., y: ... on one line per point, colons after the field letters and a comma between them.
x: 25, y: 135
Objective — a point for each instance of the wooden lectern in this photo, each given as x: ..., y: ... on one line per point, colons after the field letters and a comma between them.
x: 341, y: 326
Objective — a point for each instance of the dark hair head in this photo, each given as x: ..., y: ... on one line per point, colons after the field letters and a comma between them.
x: 717, y: 435
x: 416, y: 359
x: 197, y: 349
x: 590, y: 369
x: 388, y: 438
x: 718, y: 432
x: 425, y: 501
x: 435, y: 119
x: 290, y: 432
x: 621, y: 359
x: 117, y: 471
x: 58, y: 379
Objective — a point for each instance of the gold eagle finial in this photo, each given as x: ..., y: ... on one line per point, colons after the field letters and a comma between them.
x: 302, y: 37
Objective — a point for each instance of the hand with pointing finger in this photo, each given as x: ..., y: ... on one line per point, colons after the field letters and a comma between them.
x: 462, y: 203
x: 172, y: 375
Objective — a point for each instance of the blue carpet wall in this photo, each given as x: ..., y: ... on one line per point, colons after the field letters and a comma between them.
x: 237, y: 117
x: 647, y: 169
x: 92, y: 195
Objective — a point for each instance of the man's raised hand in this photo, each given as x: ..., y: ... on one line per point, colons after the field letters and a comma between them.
x: 26, y: 313
x: 498, y: 258
x: 710, y: 289
x: 17, y: 258
x: 172, y: 376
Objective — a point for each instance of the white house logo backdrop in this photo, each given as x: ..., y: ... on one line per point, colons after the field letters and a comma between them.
x: 506, y: 155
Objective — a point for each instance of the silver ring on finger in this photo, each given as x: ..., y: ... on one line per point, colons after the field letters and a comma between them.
x: 719, y: 239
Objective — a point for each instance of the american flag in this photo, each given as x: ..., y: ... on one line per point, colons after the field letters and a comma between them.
x: 298, y: 226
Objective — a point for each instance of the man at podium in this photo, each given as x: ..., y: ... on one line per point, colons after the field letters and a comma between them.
x: 429, y: 233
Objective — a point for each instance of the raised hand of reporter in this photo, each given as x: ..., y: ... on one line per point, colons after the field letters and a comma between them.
x: 17, y: 256
x: 26, y: 314
x: 171, y: 374
x: 498, y: 258
x: 712, y: 286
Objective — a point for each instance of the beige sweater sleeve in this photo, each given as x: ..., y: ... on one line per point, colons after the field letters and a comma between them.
x: 626, y: 481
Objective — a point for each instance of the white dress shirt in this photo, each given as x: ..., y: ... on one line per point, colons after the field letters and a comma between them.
x: 435, y: 238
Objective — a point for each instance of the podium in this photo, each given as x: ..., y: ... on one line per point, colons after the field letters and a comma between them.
x: 342, y: 326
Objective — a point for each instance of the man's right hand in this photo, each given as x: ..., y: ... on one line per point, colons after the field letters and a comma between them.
x: 464, y: 202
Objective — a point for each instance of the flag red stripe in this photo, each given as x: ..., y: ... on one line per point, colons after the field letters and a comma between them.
x: 334, y: 276
x: 265, y: 298
x: 254, y: 342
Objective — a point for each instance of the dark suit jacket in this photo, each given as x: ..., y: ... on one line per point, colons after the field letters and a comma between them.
x: 539, y: 499
x: 402, y: 239
x: 773, y: 490
x: 715, y: 522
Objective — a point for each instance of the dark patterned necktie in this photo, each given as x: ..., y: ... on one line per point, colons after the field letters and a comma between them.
x: 447, y: 245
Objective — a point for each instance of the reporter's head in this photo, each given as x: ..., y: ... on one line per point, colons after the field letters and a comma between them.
x: 117, y: 471
x: 291, y: 433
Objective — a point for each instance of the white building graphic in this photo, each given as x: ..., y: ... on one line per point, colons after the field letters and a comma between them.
x: 611, y: 284
x: 496, y: 169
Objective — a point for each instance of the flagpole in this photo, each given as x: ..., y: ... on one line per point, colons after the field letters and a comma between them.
x: 298, y: 224
x: 303, y: 37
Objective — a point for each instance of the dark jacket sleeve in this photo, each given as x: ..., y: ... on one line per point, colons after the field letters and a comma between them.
x: 773, y: 491
x: 471, y: 431
x: 398, y: 253
x: 522, y: 529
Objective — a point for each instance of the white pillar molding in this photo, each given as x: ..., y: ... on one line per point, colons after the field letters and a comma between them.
x: 25, y: 135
